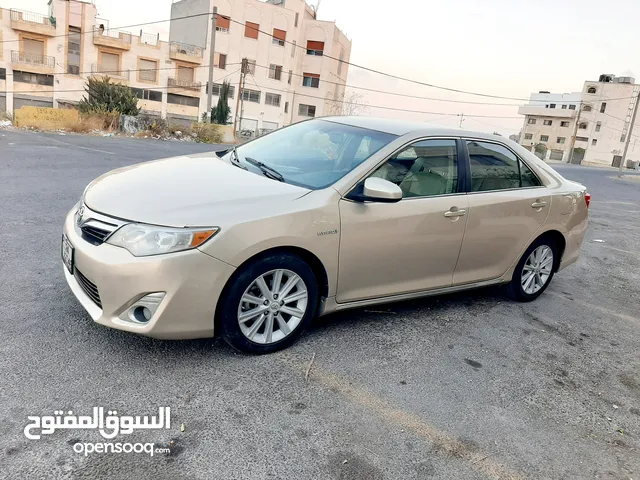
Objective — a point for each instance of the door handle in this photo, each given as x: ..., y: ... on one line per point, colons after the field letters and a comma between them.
x: 538, y: 204
x: 455, y: 213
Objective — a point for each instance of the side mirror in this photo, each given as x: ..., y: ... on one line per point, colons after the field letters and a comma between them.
x: 378, y: 190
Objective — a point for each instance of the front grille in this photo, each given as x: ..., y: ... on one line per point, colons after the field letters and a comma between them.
x: 88, y: 287
x: 94, y: 234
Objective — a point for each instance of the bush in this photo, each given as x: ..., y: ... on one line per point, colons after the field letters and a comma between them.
x: 4, y: 115
x: 207, y: 133
x: 109, y: 121
x: 104, y: 96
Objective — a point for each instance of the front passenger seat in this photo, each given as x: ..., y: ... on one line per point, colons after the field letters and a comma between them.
x: 422, y: 181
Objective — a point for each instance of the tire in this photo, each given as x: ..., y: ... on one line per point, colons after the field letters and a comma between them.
x: 245, y: 324
x: 541, y: 246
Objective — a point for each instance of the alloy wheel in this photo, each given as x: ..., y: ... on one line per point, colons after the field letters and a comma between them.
x: 537, y: 269
x: 272, y: 306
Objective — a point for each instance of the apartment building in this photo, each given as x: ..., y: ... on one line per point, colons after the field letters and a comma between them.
x: 46, y: 59
x: 599, y: 116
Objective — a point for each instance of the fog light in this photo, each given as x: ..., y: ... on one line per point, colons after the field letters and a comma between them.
x: 142, y: 310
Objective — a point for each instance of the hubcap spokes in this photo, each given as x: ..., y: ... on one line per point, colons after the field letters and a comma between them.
x: 272, y: 306
x: 537, y: 269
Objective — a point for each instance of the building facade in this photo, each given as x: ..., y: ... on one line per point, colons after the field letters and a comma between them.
x: 47, y: 59
x: 599, y: 117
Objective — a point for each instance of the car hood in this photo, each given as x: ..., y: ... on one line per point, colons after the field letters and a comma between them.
x: 185, y: 191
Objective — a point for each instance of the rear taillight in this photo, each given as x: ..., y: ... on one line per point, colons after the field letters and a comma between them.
x: 587, y: 198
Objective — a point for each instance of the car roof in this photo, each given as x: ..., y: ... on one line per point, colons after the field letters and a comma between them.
x: 403, y: 127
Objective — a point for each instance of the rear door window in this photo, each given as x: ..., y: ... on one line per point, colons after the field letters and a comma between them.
x: 495, y: 167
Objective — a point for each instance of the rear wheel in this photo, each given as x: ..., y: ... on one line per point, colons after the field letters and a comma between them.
x: 534, y: 270
x: 268, y: 305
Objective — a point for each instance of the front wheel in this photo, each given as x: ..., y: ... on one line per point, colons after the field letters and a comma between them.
x: 268, y: 305
x: 534, y: 271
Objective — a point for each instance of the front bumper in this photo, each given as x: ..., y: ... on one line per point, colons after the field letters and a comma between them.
x: 192, y: 280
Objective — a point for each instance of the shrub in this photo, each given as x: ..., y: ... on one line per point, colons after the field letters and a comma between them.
x: 221, y: 112
x: 104, y: 96
x: 4, y: 115
x: 207, y: 132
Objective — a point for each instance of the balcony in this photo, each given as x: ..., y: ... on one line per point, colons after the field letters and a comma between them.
x: 112, y: 38
x: 31, y: 62
x: 184, y: 87
x: 33, y: 23
x: 185, y: 52
x: 535, y: 110
x: 102, y: 71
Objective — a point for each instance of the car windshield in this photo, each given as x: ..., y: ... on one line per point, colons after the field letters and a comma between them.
x: 312, y: 154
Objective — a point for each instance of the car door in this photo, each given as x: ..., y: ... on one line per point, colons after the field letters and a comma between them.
x: 411, y: 245
x: 507, y: 206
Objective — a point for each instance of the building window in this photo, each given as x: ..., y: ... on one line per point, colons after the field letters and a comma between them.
x: 275, y: 71
x: 183, y: 100
x: 73, y: 51
x: 279, y: 37
x: 583, y: 126
x: 310, y: 80
x: 286, y: 107
x: 293, y: 49
x: 553, y: 105
x: 598, y: 125
x: 295, y: 23
x: 340, y: 60
x: 572, y: 107
x: 148, y: 70
x: 560, y: 140
x: 220, y: 61
x: 564, y: 107
x: 315, y: 48
x: 185, y: 74
x: 591, y: 90
x: 582, y: 139
x: 272, y: 99
x: 144, y: 94
x: 251, y: 30
x: 594, y: 141
x: 33, y: 47
x: 251, y: 67
x: 544, y: 138
x: 251, y: 95
x: 531, y: 121
x: 306, y: 110
x: 3, y: 73
x: 218, y: 86
x: 603, y: 107
x: 222, y: 23
x: 586, y: 108
x: 33, y: 78
x: 623, y: 137
x: 548, y: 122
x: 528, y: 136
x: 290, y: 75
x: 564, y: 124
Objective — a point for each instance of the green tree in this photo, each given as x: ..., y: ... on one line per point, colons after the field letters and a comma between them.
x: 105, y: 96
x: 221, y: 112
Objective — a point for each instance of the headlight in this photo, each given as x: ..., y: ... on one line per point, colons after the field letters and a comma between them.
x: 143, y: 240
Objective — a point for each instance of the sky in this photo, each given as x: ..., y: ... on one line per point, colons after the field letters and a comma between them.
x: 498, y: 47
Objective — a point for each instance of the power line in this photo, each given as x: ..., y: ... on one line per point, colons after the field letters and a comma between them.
x: 115, y: 71
x: 120, y: 28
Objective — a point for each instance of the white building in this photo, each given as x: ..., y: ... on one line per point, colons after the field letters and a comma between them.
x: 46, y: 59
x: 601, y: 125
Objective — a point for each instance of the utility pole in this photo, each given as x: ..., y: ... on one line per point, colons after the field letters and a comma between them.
x: 461, y: 119
x: 212, y: 57
x: 243, y: 72
x: 628, y: 139
x: 575, y: 132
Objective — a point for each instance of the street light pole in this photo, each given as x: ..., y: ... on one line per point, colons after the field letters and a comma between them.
x: 628, y: 139
x: 212, y: 58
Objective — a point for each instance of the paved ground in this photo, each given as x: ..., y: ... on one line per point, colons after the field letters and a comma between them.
x: 464, y: 386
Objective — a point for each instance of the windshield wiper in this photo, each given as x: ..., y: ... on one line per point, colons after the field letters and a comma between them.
x: 266, y: 169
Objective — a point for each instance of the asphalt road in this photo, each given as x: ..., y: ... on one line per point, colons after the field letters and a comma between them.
x: 464, y: 386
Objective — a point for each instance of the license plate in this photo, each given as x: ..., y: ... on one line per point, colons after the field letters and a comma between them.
x: 67, y: 253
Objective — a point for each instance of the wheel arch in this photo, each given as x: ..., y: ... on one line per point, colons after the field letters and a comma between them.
x: 309, y: 257
x: 558, y: 239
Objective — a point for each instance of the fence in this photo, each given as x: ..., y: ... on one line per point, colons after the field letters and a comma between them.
x: 111, y: 33
x: 109, y: 72
x: 20, y: 16
x: 176, y: 82
x: 186, y: 49
x: 32, y: 59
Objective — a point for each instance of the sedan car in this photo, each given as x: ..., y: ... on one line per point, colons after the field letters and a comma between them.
x: 324, y: 215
